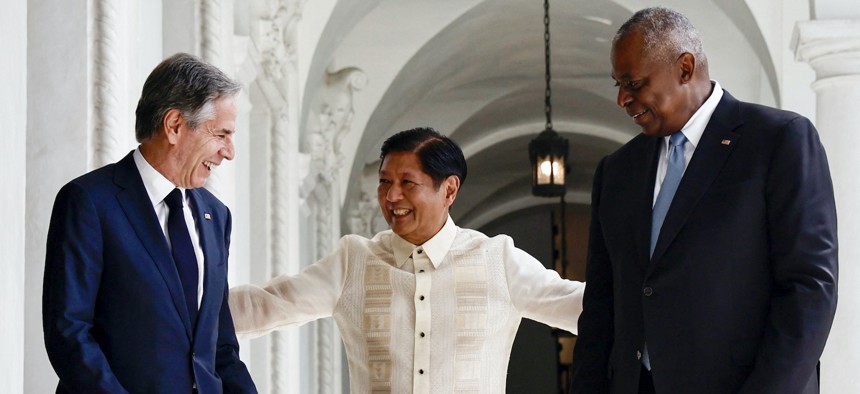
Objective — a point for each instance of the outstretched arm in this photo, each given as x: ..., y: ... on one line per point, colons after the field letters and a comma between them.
x: 288, y: 301
x: 541, y: 294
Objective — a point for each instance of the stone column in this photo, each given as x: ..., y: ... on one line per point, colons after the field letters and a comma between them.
x: 335, y: 116
x: 275, y: 97
x: 110, y: 94
x: 222, y: 181
x: 210, y: 28
x: 832, y: 48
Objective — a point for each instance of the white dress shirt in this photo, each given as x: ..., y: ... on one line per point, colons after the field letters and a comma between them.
x: 693, y: 130
x: 158, y: 187
x: 435, y: 318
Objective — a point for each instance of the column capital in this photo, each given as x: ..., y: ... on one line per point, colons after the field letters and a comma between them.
x: 831, y: 47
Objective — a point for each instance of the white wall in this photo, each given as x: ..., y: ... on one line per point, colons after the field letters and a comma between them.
x: 776, y: 19
x: 13, y: 111
x: 835, y: 9
x: 57, y: 149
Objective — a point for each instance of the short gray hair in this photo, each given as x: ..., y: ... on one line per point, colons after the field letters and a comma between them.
x: 666, y: 34
x: 183, y: 82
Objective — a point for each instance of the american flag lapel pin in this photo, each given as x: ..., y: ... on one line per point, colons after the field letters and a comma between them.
x: 207, y: 216
x: 726, y: 142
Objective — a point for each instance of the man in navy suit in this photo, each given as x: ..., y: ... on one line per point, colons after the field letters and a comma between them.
x: 712, y: 262
x: 135, y: 287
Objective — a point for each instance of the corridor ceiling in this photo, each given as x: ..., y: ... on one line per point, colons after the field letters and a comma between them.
x: 474, y: 70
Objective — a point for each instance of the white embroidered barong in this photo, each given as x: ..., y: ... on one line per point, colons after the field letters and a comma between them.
x: 435, y: 318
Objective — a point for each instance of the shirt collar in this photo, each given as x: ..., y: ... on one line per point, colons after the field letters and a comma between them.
x: 695, y: 126
x: 436, y: 248
x: 156, y: 185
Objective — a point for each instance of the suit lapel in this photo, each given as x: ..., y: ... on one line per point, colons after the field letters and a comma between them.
x: 208, y: 242
x: 707, y: 161
x: 644, y: 175
x: 141, y: 217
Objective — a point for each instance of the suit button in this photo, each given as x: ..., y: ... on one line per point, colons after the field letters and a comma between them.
x: 638, y: 355
x: 647, y: 291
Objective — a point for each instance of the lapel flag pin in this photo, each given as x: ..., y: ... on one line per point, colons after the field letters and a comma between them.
x: 726, y: 142
x: 207, y: 216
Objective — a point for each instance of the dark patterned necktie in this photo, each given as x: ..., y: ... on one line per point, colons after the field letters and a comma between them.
x: 183, y: 251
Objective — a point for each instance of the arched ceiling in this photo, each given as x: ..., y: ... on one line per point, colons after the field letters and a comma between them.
x: 474, y: 70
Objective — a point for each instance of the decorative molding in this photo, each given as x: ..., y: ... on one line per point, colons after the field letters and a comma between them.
x: 364, y: 216
x: 334, y: 121
x: 211, y: 49
x: 106, y: 103
x: 280, y: 182
x: 210, y: 29
x: 280, y: 231
x: 840, y: 82
x: 831, y: 47
x: 336, y: 112
x: 275, y: 37
x: 272, y: 39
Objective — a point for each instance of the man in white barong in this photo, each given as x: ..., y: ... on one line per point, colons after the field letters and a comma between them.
x: 426, y: 307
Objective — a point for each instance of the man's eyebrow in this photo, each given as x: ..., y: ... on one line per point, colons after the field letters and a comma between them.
x: 621, y: 77
x: 403, y: 174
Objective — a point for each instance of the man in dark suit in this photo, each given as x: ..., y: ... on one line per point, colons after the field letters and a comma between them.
x: 135, y: 287
x: 712, y: 259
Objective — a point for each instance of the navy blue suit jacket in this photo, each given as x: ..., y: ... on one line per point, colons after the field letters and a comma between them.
x: 740, y: 292
x: 114, y: 314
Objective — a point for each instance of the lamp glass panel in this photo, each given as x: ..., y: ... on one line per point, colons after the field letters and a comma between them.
x: 558, y: 170
x: 544, y: 170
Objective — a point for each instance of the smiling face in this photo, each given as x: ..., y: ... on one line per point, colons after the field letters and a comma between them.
x: 195, y: 153
x: 655, y: 94
x: 413, y: 206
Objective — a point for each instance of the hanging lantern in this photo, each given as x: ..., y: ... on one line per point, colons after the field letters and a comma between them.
x: 548, y: 155
x: 548, y: 152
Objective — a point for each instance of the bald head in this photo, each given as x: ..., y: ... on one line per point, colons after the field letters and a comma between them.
x: 666, y: 34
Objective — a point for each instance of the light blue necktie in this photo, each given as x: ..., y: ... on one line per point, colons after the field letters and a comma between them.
x: 674, y: 172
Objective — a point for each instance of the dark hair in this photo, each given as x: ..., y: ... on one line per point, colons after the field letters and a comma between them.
x: 439, y: 155
x: 185, y: 83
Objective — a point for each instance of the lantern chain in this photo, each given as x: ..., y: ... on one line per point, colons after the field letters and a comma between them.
x: 548, y: 76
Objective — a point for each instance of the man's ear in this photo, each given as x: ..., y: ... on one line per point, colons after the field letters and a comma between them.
x: 452, y: 186
x: 172, y: 124
x: 687, y: 64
